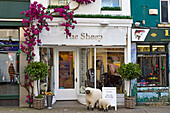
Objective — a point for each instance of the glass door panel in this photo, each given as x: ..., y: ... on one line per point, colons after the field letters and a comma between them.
x: 66, y: 70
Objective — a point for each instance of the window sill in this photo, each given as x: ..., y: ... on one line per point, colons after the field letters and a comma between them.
x: 111, y: 12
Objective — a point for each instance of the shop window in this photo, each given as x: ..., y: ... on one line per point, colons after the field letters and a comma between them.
x: 154, y: 70
x: 143, y: 48
x: 9, y: 73
x: 158, y: 48
x: 46, y: 56
x: 164, y: 10
x: 9, y: 62
x: 108, y: 60
x: 86, y: 68
x: 58, y: 2
x: 111, y: 3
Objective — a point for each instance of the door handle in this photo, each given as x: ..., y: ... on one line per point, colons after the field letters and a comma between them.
x: 76, y: 79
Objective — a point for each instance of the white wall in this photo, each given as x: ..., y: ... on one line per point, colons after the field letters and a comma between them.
x: 94, y: 7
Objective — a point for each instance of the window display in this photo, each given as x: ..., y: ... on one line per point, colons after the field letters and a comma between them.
x: 46, y: 56
x: 153, y: 70
x: 107, y: 62
x: 153, y: 65
x: 86, y: 68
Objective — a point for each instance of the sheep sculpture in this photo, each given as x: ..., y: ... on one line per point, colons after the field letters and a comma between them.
x: 104, y: 104
x: 92, y: 97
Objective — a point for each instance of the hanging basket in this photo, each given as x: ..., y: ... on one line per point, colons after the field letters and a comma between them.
x: 38, y: 103
x: 130, y: 102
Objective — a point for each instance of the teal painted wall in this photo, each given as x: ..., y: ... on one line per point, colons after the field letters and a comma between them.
x: 11, y: 8
x: 138, y: 13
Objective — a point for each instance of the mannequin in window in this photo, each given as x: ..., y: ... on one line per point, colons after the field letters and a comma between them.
x: 113, y: 69
x: 100, y: 69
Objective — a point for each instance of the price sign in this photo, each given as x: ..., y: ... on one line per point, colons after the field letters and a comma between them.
x: 109, y: 93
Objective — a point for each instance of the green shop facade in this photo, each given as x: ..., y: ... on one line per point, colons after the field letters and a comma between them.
x: 10, y: 32
x: 151, y: 50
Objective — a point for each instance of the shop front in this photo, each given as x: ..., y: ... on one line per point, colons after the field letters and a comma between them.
x: 89, y: 58
x: 150, y: 49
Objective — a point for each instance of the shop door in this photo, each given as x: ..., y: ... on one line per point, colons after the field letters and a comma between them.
x: 66, y: 77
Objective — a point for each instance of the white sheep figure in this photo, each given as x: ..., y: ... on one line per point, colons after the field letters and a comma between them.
x: 103, y: 103
x: 92, y: 96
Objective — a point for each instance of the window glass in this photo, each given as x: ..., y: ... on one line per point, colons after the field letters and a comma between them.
x: 9, y: 62
x: 86, y: 59
x: 164, y: 11
x: 110, y: 3
x: 143, y: 48
x: 46, y: 56
x: 108, y: 60
x: 9, y: 77
x: 158, y: 48
x: 58, y: 2
x: 154, y: 70
x: 66, y: 69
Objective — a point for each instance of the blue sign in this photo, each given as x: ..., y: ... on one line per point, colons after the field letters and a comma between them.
x: 9, y: 46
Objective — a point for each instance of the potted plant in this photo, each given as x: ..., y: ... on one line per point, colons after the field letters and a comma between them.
x: 129, y: 72
x: 49, y: 97
x: 37, y: 71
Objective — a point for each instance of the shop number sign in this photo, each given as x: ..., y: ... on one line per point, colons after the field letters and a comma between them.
x: 109, y: 93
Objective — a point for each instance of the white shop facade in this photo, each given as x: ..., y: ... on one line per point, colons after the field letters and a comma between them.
x: 90, y: 57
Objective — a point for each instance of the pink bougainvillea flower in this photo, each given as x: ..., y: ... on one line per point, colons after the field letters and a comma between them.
x: 26, y: 101
x: 28, y: 84
x: 35, y: 32
x: 26, y: 76
x: 31, y: 100
x: 22, y: 12
x: 28, y: 96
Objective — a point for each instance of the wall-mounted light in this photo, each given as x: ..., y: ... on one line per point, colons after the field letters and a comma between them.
x: 137, y: 24
x: 104, y: 23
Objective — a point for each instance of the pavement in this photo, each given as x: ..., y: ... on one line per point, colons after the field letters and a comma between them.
x: 75, y: 107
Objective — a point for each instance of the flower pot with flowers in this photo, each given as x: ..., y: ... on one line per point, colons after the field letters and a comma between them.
x: 129, y: 72
x: 49, y: 98
x: 37, y: 71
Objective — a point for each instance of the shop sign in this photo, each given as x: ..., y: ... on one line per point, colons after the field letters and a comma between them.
x: 109, y: 93
x: 85, y: 36
x: 151, y: 35
x: 9, y: 46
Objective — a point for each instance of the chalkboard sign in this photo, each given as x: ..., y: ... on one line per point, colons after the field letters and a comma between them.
x: 109, y: 93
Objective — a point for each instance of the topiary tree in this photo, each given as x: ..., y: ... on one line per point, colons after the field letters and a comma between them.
x: 129, y: 71
x: 35, y: 71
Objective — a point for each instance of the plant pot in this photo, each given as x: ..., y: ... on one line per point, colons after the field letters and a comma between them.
x: 130, y: 102
x: 49, y: 101
x: 38, y: 103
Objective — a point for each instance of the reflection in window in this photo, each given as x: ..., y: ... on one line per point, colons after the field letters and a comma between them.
x: 143, y: 48
x: 46, y: 56
x: 86, y: 68
x: 110, y: 3
x: 107, y: 63
x: 9, y: 77
x: 58, y: 2
x: 158, y: 48
x: 164, y: 11
x: 154, y: 70
x: 66, y: 69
